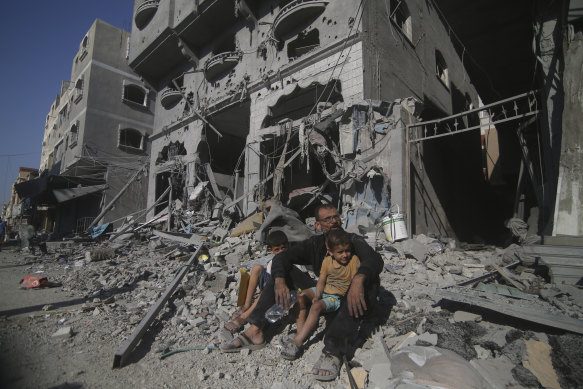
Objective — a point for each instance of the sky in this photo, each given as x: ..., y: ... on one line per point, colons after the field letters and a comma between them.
x: 38, y: 41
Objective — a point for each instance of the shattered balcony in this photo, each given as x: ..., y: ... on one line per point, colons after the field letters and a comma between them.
x: 170, y: 97
x: 296, y: 13
x: 145, y: 12
x: 221, y: 63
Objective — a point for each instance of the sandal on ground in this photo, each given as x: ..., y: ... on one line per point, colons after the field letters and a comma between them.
x: 327, y: 362
x: 240, y: 342
x: 235, y: 325
x: 290, y: 351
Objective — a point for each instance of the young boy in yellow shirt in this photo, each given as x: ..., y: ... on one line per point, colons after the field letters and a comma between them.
x: 338, y: 270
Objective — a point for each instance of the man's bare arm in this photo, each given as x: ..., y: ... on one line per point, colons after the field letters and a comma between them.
x: 355, y: 297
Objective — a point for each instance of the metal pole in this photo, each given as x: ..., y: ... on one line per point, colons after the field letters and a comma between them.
x: 112, y: 202
x: 169, y: 204
x: 126, y: 348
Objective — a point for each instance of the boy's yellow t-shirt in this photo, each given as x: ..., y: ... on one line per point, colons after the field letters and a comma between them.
x: 339, y: 277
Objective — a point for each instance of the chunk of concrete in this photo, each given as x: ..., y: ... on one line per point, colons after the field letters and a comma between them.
x: 63, y: 332
x: 461, y: 316
x: 380, y: 375
x: 415, y: 249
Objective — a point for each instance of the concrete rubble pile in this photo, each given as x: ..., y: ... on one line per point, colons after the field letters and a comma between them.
x: 412, y: 335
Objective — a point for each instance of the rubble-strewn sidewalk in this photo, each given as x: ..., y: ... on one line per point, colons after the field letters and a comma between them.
x: 434, y: 297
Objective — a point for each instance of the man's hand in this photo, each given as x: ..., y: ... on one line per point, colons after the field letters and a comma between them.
x: 281, y: 292
x: 355, y: 297
x: 316, y: 299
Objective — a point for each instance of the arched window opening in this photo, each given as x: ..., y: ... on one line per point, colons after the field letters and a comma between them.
x: 78, y: 92
x: 73, y: 134
x: 441, y: 68
x: 401, y: 16
x: 130, y: 139
x: 135, y: 94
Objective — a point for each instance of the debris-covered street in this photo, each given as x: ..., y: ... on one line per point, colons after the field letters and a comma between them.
x: 435, y: 296
x: 291, y: 194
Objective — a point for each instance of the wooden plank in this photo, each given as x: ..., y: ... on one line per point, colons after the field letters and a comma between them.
x: 487, y: 275
x: 126, y: 348
x: 530, y: 314
x: 507, y: 277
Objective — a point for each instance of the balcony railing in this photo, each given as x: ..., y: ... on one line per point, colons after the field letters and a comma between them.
x: 221, y: 63
x: 296, y: 13
x: 145, y: 12
x: 169, y: 97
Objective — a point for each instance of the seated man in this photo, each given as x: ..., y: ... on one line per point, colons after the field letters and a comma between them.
x: 336, y: 274
x: 342, y: 332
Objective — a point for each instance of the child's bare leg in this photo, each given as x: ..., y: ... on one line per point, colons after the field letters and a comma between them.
x: 245, y: 315
x: 311, y: 322
x: 304, y: 302
x: 253, y: 282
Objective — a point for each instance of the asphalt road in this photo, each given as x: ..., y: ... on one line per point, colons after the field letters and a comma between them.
x: 14, y: 301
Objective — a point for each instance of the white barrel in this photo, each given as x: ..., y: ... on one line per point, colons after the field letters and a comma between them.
x: 394, y: 227
x: 398, y: 227
x: 386, y: 223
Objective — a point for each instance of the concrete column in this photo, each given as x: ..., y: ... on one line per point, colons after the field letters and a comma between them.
x: 548, y: 50
x: 568, y: 217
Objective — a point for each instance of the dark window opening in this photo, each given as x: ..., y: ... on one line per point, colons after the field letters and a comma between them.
x: 441, y: 68
x: 135, y: 94
x: 170, y: 151
x: 225, y: 45
x: 128, y: 137
x: 283, y: 3
x: 304, y: 43
x: 401, y: 17
x: 74, y: 135
x: 163, y: 181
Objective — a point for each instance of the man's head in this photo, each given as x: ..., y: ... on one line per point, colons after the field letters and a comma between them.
x: 327, y: 218
x: 339, y: 246
x: 277, y: 242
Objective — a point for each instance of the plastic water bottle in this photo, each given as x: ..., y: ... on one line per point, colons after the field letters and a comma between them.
x: 276, y: 312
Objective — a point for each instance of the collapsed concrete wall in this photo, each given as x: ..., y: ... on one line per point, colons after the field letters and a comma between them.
x: 270, y: 100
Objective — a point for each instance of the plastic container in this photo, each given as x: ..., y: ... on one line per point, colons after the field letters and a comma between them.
x: 394, y: 226
x: 276, y: 312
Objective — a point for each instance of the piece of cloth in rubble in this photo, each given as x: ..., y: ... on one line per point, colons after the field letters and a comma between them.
x: 436, y: 367
x: 370, y: 202
x: 98, y: 230
x: 286, y: 220
x: 37, y: 282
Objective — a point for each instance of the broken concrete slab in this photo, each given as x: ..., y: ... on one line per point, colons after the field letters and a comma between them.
x: 461, y: 316
x: 532, y: 314
x: 100, y: 254
x: 497, y: 372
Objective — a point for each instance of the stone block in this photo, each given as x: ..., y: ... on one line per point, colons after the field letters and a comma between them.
x: 63, y: 332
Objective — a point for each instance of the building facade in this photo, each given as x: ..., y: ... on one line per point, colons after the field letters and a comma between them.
x: 259, y: 99
x: 96, y: 135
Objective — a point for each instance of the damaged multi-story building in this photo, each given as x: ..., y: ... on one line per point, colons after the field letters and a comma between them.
x: 95, y: 140
x: 304, y: 101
